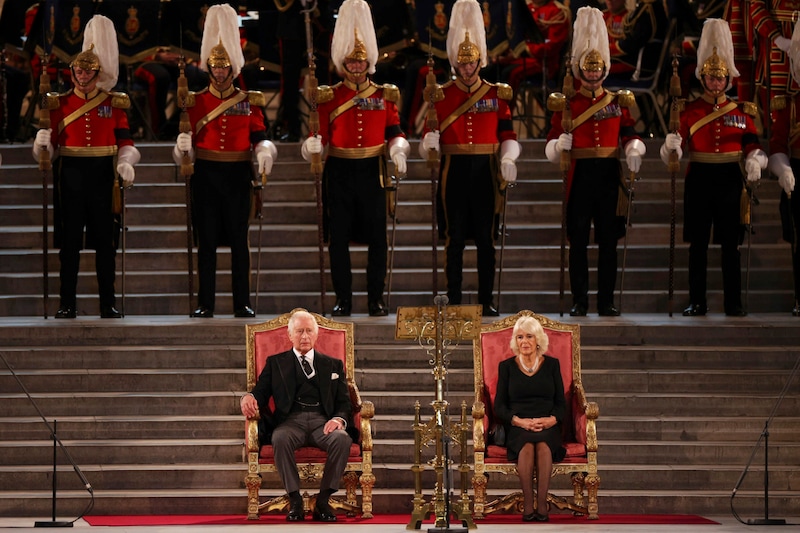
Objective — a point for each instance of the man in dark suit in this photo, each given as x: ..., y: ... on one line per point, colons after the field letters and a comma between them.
x: 312, y: 408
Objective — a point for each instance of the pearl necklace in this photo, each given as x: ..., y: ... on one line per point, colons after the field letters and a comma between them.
x: 532, y: 369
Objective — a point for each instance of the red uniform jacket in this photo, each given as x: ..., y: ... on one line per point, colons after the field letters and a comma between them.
x: 355, y: 121
x: 224, y: 132
x: 99, y: 131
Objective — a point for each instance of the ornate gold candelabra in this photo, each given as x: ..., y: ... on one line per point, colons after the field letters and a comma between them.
x: 438, y: 330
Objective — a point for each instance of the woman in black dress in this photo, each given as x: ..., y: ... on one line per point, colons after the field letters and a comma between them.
x: 530, y: 404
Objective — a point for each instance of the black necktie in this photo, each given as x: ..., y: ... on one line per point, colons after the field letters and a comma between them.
x: 306, y: 365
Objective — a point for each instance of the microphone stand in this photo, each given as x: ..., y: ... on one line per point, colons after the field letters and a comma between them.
x: 56, y: 444
x: 766, y: 521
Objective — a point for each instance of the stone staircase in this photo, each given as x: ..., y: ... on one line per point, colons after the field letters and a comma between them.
x: 156, y: 256
x: 148, y: 406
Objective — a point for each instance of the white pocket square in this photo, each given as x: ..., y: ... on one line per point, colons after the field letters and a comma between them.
x: 334, y: 376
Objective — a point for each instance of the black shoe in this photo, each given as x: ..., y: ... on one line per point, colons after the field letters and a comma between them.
x: 66, y: 312
x: 578, y: 310
x: 608, y: 310
x: 342, y: 307
x: 735, y: 311
x: 324, y: 513
x: 109, y: 311
x: 296, y: 513
x: 244, y: 312
x: 490, y: 310
x: 695, y: 310
x: 796, y: 310
x: 202, y: 312
x: 378, y: 308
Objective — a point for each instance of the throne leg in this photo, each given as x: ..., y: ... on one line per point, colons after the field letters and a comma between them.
x: 367, y: 482
x: 253, y: 483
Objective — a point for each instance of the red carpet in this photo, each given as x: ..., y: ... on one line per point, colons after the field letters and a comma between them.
x: 210, y: 520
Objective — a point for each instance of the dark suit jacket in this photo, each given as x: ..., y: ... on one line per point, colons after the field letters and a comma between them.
x: 278, y: 381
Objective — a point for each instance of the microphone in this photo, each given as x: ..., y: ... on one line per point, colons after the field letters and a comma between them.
x: 441, y: 300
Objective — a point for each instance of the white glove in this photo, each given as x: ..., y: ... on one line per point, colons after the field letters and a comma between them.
x: 509, y: 152
x: 398, y: 153
x: 783, y: 43
x: 126, y: 158
x: 430, y: 142
x: 634, y: 161
x: 184, y: 142
x: 754, y: 163
x: 266, y: 152
x: 753, y: 170
x: 634, y: 150
x: 42, y: 142
x: 564, y: 142
x: 673, y: 141
x: 779, y: 165
x: 126, y: 172
x: 312, y: 145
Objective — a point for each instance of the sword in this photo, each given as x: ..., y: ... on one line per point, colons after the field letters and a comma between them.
x: 124, y: 226
x: 392, y: 190
x: 633, y: 179
x: 432, y: 94
x: 752, y: 200
x: 44, y: 166
x: 258, y: 187
x: 503, y: 243
x: 185, y: 100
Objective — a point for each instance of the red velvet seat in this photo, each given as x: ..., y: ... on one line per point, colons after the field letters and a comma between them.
x: 335, y: 339
x: 579, y: 432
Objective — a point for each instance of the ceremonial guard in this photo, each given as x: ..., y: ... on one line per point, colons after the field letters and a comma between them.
x: 784, y: 161
x: 91, y: 146
x: 600, y: 122
x: 359, y: 125
x: 720, y: 134
x: 227, y: 126
x: 479, y: 151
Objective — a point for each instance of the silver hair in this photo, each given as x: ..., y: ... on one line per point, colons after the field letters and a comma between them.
x: 301, y: 314
x: 528, y: 324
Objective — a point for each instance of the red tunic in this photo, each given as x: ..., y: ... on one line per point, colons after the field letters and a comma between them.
x: 602, y: 132
x: 224, y: 133
x: 722, y: 135
x: 105, y: 127
x: 359, y: 129
x: 482, y: 127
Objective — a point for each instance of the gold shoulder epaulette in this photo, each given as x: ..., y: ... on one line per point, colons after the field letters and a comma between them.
x: 256, y: 98
x: 625, y: 98
x: 324, y: 94
x: 391, y: 93
x: 556, y: 102
x: 52, y: 100
x: 120, y: 100
x: 749, y: 108
x: 505, y: 92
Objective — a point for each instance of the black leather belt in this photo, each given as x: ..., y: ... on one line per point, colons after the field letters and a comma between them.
x: 307, y: 408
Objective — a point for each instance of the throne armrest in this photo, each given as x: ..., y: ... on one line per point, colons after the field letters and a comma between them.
x: 478, y: 428
x: 251, y: 435
x: 367, y: 413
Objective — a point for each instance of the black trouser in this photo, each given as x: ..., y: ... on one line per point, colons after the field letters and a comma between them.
x: 83, y: 199
x: 794, y: 207
x: 467, y: 195
x: 712, y: 197
x: 356, y: 208
x: 221, y: 196
x: 593, y: 197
